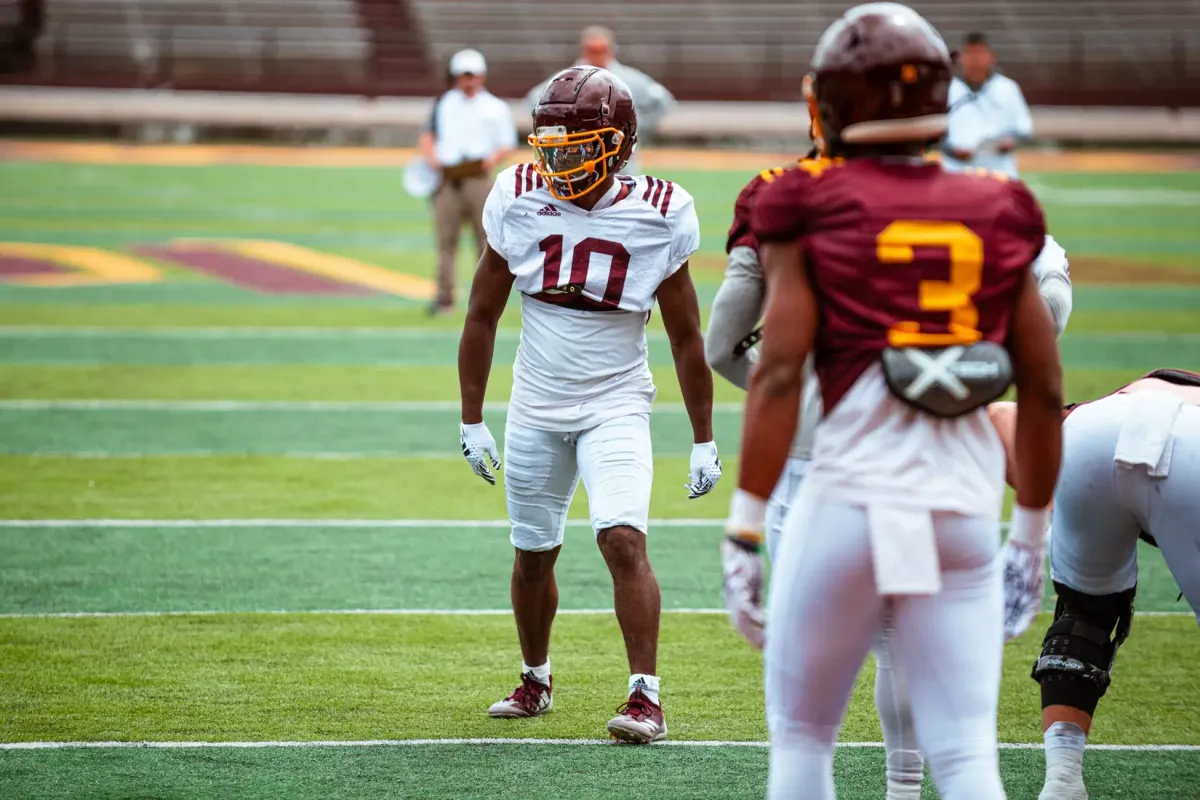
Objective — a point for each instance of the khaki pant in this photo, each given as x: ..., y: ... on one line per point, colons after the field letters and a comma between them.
x: 456, y: 202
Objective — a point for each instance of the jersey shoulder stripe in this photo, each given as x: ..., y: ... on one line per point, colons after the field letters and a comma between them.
x: 658, y: 194
x: 526, y: 179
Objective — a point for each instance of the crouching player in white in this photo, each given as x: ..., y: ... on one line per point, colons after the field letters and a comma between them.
x: 912, y: 289
x: 729, y: 346
x: 1130, y: 469
x: 589, y: 251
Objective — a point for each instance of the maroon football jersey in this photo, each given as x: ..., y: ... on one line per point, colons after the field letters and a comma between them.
x: 740, y: 233
x: 901, y: 253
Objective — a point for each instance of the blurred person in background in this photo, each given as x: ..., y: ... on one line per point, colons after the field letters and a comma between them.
x: 469, y: 132
x: 988, y: 113
x: 597, y: 47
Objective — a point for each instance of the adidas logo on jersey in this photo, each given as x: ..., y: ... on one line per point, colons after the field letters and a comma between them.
x: 549, y: 211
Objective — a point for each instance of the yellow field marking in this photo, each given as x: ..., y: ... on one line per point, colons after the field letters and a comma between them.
x: 339, y: 268
x: 96, y: 266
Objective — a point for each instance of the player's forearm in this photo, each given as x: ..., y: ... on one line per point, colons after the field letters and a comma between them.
x: 1038, y: 441
x: 770, y: 424
x: 695, y: 383
x: 735, y: 311
x: 474, y: 364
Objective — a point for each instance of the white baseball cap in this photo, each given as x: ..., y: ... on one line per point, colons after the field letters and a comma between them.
x: 466, y: 62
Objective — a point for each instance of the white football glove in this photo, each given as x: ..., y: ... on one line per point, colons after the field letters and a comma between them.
x: 704, y: 470
x: 742, y: 565
x: 478, y: 448
x: 743, y: 568
x: 1024, y: 582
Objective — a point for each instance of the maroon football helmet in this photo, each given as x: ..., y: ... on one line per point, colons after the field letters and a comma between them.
x: 584, y: 129
x: 882, y: 76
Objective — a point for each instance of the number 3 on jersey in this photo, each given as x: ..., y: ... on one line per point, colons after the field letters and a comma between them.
x: 581, y: 259
x: 895, y: 244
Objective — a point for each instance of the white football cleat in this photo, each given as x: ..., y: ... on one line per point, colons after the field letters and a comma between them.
x: 531, y: 699
x: 639, y: 721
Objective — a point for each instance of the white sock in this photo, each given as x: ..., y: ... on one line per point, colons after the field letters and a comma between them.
x: 906, y: 790
x: 800, y: 769
x: 540, y: 674
x: 1065, y: 742
x: 647, y: 683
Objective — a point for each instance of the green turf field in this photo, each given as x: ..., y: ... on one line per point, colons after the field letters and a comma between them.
x: 239, y: 519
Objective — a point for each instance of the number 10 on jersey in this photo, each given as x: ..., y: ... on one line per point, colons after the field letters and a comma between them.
x: 581, y: 259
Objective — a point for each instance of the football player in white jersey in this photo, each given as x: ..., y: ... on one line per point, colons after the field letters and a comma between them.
x: 590, y: 251
x: 729, y: 344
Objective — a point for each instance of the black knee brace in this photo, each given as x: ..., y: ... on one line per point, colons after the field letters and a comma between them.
x: 1077, y: 657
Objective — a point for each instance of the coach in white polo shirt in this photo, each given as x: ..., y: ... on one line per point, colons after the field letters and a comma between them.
x: 988, y: 114
x: 469, y: 132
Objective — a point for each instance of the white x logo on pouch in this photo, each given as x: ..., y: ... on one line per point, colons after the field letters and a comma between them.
x: 935, y: 371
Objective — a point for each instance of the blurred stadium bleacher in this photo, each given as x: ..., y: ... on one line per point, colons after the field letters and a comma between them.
x: 1085, y: 52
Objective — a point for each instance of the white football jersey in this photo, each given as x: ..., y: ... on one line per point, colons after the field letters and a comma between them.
x: 587, y: 280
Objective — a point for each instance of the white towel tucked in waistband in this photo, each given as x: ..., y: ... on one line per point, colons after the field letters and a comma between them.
x: 904, y: 549
x: 1145, y: 438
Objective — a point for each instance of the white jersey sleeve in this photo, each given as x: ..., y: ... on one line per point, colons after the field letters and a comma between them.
x: 1053, y: 274
x: 685, y: 232
x: 495, y: 209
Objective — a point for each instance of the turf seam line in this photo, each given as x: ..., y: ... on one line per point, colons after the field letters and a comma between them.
x: 516, y: 741
x: 409, y: 612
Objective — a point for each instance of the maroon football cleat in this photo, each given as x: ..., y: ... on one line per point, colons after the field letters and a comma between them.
x: 639, y: 720
x: 531, y: 699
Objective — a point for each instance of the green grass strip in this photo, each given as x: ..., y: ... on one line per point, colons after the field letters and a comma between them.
x: 286, y: 677
x: 486, y: 772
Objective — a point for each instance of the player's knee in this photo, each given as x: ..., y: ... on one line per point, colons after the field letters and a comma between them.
x: 623, y: 547
x: 1080, y: 647
x: 534, y: 566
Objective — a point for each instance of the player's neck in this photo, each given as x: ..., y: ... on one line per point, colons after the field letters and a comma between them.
x: 588, y: 201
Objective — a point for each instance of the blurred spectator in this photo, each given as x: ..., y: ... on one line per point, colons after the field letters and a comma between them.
x: 988, y: 114
x: 651, y: 100
x: 469, y: 132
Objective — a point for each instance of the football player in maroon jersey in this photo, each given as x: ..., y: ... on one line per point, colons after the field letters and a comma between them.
x: 912, y: 289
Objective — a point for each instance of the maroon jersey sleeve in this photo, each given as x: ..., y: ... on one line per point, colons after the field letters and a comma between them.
x: 781, y: 212
x: 740, y: 234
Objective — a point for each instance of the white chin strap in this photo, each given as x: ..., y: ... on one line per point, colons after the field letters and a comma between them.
x: 914, y: 129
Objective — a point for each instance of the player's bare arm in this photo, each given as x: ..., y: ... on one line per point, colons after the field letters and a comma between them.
x: 681, y: 317
x: 489, y: 295
x: 1037, y: 438
x: 1037, y: 374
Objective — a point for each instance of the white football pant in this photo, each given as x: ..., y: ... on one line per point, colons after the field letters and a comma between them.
x: 542, y: 469
x: 824, y: 614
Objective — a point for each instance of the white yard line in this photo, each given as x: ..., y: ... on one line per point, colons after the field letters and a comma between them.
x: 439, y: 406
x: 319, y: 523
x: 344, y: 612
x: 403, y: 612
x: 1150, y: 748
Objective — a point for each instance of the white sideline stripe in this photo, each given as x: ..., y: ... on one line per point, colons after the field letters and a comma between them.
x: 319, y: 523
x: 287, y: 405
x: 1152, y: 748
x: 403, y: 612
